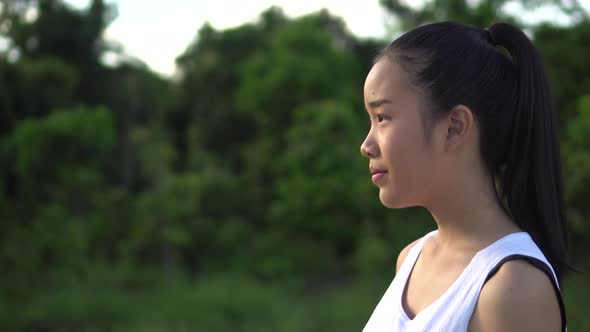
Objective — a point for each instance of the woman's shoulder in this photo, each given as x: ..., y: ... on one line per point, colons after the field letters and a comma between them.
x: 519, y: 297
x: 404, y: 253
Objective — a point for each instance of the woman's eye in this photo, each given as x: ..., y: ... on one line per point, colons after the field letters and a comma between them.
x: 381, y: 117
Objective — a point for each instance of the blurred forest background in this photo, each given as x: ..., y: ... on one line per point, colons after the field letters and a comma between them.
x: 232, y: 197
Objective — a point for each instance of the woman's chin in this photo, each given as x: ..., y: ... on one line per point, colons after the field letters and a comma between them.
x: 391, y: 200
x: 386, y: 199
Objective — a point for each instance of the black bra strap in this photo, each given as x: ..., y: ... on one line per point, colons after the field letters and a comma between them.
x: 543, y: 267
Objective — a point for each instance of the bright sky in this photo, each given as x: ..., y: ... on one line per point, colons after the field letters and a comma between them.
x: 157, y: 31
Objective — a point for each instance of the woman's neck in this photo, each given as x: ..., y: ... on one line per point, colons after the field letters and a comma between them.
x: 470, y: 214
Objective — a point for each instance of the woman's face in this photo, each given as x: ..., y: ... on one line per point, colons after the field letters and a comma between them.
x: 396, y: 143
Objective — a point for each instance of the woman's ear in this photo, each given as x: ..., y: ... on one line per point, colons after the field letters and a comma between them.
x: 459, y: 125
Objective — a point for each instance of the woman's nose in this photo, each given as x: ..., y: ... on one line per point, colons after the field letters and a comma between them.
x: 369, y: 148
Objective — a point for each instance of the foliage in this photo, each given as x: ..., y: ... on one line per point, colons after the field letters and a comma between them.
x: 233, y: 197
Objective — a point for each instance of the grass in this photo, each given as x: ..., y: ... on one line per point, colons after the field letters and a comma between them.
x: 576, y: 293
x: 112, y: 300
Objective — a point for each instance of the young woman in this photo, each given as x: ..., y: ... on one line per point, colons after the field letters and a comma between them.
x: 462, y: 124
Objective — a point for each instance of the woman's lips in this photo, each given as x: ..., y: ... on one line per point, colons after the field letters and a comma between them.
x: 377, y: 176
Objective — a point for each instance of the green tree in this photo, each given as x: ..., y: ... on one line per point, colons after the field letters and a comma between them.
x: 60, y: 167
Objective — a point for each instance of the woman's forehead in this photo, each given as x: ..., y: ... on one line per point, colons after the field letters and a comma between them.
x: 386, y: 80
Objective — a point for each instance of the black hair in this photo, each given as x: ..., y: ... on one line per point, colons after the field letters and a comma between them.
x: 499, y: 75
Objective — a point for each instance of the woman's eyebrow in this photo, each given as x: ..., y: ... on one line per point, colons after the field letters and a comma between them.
x: 378, y: 102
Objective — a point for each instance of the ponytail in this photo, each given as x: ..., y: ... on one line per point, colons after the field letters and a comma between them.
x: 499, y: 75
x: 531, y: 183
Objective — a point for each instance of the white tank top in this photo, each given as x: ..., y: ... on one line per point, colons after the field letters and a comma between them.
x: 452, y: 311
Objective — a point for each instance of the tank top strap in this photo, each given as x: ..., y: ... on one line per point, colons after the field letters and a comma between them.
x: 412, y: 257
x: 514, y: 246
x: 387, y: 315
